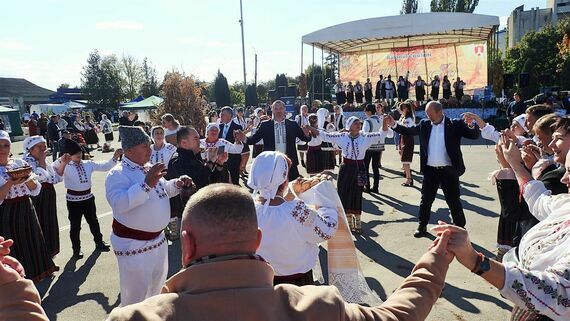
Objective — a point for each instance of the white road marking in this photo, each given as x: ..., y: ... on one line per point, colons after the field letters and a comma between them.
x: 66, y: 227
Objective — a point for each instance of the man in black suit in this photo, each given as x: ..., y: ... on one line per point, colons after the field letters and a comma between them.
x: 441, y: 160
x: 280, y: 134
x: 227, y: 131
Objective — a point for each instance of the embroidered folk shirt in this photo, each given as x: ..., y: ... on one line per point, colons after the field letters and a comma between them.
x: 47, y: 175
x: 162, y: 155
x: 134, y: 203
x: 292, y: 233
x: 77, y: 177
x: 361, y: 143
x: 18, y: 190
x: 539, y: 280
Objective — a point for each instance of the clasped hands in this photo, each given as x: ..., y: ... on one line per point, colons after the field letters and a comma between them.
x: 302, y: 184
x: 453, y: 242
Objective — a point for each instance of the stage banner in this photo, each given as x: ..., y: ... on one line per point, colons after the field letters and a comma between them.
x: 466, y: 61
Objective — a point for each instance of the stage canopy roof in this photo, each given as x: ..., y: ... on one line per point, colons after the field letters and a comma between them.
x: 403, y: 31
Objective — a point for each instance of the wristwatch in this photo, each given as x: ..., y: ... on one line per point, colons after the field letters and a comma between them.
x: 484, y: 265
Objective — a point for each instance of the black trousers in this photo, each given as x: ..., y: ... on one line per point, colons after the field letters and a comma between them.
x: 76, y: 211
x: 448, y: 179
x: 374, y: 157
x: 234, y: 163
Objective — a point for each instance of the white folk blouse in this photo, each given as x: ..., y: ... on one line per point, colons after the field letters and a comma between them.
x: 18, y: 190
x: 47, y: 175
x: 162, y: 155
x: 539, y: 279
x: 355, y: 148
x: 77, y: 177
x: 292, y: 233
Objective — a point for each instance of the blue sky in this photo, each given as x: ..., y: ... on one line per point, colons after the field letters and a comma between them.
x: 48, y: 41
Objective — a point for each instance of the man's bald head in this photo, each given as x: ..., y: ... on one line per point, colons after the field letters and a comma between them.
x: 219, y: 219
x: 434, y: 111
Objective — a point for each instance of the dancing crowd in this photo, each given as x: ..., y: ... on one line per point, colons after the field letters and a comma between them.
x: 260, y: 249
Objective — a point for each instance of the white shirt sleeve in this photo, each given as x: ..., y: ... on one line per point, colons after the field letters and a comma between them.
x: 315, y: 226
x: 540, y: 200
x: 102, y: 166
x: 335, y: 137
x: 233, y: 148
x: 36, y: 191
x: 488, y: 132
x: 170, y: 187
x: 122, y: 194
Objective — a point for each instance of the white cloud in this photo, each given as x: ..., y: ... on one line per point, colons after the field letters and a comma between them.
x: 119, y: 25
x: 188, y: 40
x: 11, y: 44
x: 220, y: 44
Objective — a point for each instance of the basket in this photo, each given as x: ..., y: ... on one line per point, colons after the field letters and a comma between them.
x: 18, y: 173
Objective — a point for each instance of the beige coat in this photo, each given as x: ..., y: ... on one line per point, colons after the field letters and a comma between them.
x: 243, y: 290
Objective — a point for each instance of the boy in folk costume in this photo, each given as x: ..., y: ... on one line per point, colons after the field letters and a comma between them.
x: 139, y: 197
x: 80, y: 200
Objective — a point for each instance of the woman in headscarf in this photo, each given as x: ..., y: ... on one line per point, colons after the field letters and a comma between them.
x: 18, y: 218
x: 45, y: 204
x: 91, y: 137
x: 291, y: 230
x: 353, y: 176
x: 162, y: 151
x: 212, y: 141
x: 106, y: 128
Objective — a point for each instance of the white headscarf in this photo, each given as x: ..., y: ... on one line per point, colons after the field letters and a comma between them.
x: 212, y: 126
x: 350, y: 121
x: 521, y: 120
x: 268, y: 172
x: 322, y: 114
x: 32, y: 141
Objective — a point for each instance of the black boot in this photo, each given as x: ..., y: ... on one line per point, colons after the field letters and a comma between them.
x: 77, y: 254
x: 102, y: 246
x: 421, y: 231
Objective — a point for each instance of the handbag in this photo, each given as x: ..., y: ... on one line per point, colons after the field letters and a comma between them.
x: 362, y: 174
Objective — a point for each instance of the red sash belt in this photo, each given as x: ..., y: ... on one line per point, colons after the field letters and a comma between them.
x: 352, y: 161
x: 78, y: 193
x: 126, y: 232
x: 16, y: 199
x: 314, y: 148
x: 45, y: 184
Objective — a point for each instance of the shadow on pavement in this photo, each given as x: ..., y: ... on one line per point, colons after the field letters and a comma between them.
x: 68, y: 284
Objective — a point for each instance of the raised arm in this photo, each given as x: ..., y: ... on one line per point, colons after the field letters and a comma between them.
x: 108, y: 165
x: 257, y: 136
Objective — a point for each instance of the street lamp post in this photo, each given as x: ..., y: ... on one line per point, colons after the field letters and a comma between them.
x: 242, y: 45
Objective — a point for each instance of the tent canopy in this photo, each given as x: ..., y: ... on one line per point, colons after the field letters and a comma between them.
x: 404, y: 31
x: 150, y: 102
x: 4, y: 109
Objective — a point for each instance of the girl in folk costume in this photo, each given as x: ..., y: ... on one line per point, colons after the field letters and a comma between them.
x: 45, y: 203
x: 352, y: 176
x: 80, y: 200
x: 91, y: 137
x: 245, y: 124
x: 259, y: 117
x: 328, y: 158
x: 162, y: 151
x: 338, y: 120
x: 302, y: 120
x: 18, y: 219
x: 314, y: 151
x: 292, y: 231
x: 407, y: 119
x: 213, y: 141
x: 107, y: 130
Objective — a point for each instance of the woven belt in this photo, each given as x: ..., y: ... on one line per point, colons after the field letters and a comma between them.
x: 141, y: 250
x: 353, y: 161
x: 313, y: 148
x: 128, y: 233
x: 79, y: 193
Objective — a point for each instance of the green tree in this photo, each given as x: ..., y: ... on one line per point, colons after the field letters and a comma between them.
x: 101, y: 81
x: 328, y: 78
x: 90, y: 78
x: 149, y: 86
x: 251, y: 95
x: 133, y: 74
x: 281, y: 80
x: 183, y: 98
x: 237, y: 94
x: 222, y: 90
x: 453, y: 5
x: 409, y: 6
x: 64, y: 85
x: 262, y: 90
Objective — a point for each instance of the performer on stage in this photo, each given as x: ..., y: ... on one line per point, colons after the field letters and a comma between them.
x: 45, y: 203
x: 138, y: 195
x: 368, y: 91
x: 380, y: 90
x: 358, y: 92
x: 227, y: 129
x: 446, y: 85
x: 18, y: 217
x: 303, y: 120
x: 350, y: 93
x: 458, y: 86
x: 390, y: 89
x: 434, y: 88
x: 441, y: 160
x: 402, y: 88
x: 245, y: 124
x: 162, y: 151
x: 280, y: 134
x: 340, y: 92
x: 352, y: 176
x: 420, y: 86
x: 80, y: 199
x: 292, y: 231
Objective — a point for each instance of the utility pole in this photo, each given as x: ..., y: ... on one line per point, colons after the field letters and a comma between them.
x: 255, y: 79
x: 242, y: 45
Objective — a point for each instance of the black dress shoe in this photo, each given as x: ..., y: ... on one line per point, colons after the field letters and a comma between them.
x: 103, y: 247
x: 374, y: 190
x: 77, y: 255
x: 421, y: 231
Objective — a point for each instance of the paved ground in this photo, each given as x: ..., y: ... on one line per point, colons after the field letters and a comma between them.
x: 89, y: 288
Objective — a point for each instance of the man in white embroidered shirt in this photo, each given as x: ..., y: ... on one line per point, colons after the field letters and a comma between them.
x: 139, y: 197
x: 441, y: 160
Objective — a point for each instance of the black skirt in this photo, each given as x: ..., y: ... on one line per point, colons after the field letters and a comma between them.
x: 434, y: 93
x: 328, y: 159
x: 511, y: 207
x: 91, y: 137
x: 446, y: 93
x: 350, y: 97
x: 407, y: 146
x: 45, y: 205
x: 341, y: 97
x: 420, y: 94
x: 18, y: 221
x: 314, y: 160
x: 368, y: 96
x: 245, y: 149
x: 348, y: 190
x: 359, y: 98
x: 257, y: 149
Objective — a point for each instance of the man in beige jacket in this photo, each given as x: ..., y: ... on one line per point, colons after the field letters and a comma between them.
x: 224, y: 280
